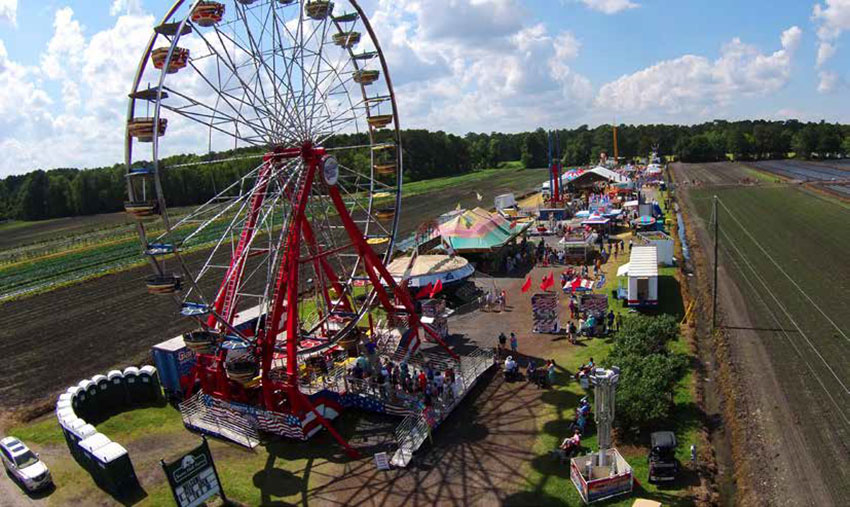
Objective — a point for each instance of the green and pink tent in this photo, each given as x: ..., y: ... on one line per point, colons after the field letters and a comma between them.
x: 477, y: 230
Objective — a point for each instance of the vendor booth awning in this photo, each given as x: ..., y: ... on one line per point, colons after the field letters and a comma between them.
x: 478, y: 230
x: 623, y: 270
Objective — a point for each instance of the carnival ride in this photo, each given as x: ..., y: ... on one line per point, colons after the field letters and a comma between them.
x: 280, y: 266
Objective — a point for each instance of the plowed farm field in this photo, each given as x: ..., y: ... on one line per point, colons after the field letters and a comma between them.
x: 783, y: 297
x: 56, y: 338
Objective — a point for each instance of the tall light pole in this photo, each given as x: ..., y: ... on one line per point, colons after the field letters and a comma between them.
x: 605, y: 389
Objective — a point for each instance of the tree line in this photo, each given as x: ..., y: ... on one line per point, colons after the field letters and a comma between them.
x: 69, y: 192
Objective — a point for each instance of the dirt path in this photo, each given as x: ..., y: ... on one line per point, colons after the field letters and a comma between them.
x: 775, y: 462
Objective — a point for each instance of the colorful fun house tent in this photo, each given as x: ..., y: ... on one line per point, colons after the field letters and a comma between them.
x: 477, y: 230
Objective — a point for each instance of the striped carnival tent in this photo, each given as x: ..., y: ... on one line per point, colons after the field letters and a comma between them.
x: 477, y: 230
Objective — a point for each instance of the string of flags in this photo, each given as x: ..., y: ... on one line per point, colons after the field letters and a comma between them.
x: 547, y: 282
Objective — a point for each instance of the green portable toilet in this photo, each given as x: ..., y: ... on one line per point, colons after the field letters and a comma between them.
x: 78, y: 434
x: 116, y: 393
x: 101, y: 385
x: 69, y: 428
x: 116, y: 474
x: 150, y: 381
x: 78, y: 399
x: 135, y: 389
x: 87, y: 403
x: 67, y: 422
x: 87, y: 447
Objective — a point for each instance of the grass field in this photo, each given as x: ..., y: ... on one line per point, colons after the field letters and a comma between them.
x: 785, y: 248
x: 41, y: 256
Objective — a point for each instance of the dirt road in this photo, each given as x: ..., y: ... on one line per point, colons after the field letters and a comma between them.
x: 785, y: 453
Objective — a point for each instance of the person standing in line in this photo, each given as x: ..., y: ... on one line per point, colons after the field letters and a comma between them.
x: 514, y: 343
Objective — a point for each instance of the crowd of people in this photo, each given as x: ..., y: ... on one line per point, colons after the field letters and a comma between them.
x: 425, y: 385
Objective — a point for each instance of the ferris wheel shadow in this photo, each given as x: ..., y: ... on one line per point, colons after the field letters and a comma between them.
x: 475, y: 454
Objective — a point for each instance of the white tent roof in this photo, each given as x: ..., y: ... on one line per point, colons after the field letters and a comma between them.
x: 609, y: 174
x: 643, y: 261
x: 623, y: 270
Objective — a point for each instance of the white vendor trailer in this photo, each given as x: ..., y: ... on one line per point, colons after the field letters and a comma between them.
x: 642, y: 272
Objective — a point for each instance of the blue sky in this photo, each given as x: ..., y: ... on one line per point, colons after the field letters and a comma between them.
x: 459, y: 65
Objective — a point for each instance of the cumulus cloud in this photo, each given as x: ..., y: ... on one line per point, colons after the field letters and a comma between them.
x: 133, y: 7
x: 610, y: 6
x: 695, y: 83
x: 832, y: 18
x: 9, y: 11
x: 69, y: 109
x: 467, y: 63
x: 829, y: 81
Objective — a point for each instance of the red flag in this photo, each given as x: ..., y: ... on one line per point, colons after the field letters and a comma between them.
x: 437, y: 288
x: 424, y: 291
x: 548, y: 281
x: 526, y: 285
x: 513, y: 224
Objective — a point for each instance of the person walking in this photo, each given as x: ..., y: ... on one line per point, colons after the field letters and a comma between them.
x: 572, y: 332
x: 514, y: 343
x: 503, y: 340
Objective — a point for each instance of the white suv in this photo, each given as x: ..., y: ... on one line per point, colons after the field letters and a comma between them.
x: 24, y: 464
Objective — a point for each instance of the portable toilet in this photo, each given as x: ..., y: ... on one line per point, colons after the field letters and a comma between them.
x: 66, y: 396
x: 66, y: 403
x: 135, y: 390
x: 87, y: 447
x: 116, y: 394
x: 78, y: 399
x: 90, y: 409
x: 116, y: 474
x: 68, y: 428
x: 150, y: 380
x: 101, y: 386
x: 80, y: 433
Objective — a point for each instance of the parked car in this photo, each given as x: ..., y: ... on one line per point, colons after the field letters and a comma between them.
x: 663, y: 465
x: 24, y: 465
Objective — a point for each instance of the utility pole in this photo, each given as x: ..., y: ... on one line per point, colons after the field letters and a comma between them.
x: 716, y: 239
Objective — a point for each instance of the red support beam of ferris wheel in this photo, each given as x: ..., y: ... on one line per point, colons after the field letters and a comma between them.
x: 225, y: 301
x: 376, y: 271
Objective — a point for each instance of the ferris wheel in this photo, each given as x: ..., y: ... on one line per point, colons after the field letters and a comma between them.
x: 303, y: 89
x: 298, y: 95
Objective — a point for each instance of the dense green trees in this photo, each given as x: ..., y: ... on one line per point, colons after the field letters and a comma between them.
x: 67, y: 192
x: 648, y: 370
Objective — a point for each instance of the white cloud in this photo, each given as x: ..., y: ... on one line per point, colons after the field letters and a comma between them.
x: 833, y: 18
x: 610, y: 6
x: 464, y: 64
x: 828, y: 81
x: 825, y: 52
x: 82, y: 122
x: 65, y: 49
x: 695, y: 83
x: 9, y: 11
x: 133, y: 7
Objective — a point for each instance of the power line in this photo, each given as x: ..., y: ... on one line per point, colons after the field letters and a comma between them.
x: 779, y: 325
x: 753, y: 239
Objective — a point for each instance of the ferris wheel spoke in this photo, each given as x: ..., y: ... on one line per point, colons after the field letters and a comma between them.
x: 233, y: 69
x: 216, y: 118
x: 259, y: 59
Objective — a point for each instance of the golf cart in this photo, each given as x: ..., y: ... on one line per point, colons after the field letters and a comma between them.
x: 663, y: 465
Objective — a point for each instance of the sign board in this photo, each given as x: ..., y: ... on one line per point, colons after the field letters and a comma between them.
x: 382, y: 461
x: 193, y: 477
